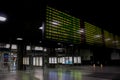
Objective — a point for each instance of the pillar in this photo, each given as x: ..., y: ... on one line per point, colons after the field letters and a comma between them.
x: 21, y: 50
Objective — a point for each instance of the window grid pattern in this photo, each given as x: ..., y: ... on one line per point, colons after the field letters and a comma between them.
x: 117, y: 41
x: 93, y: 34
x: 108, y: 39
x: 61, y: 26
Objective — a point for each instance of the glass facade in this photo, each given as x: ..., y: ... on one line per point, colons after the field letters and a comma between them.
x: 108, y: 39
x: 62, y: 27
x: 116, y: 42
x: 93, y: 34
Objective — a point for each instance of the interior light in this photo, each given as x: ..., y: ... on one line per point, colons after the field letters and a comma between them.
x: 3, y: 19
x: 45, y: 50
x: 28, y: 47
x: 107, y: 39
x: 19, y: 38
x: 38, y: 48
x: 7, y: 45
x: 59, y: 43
x: 81, y: 31
x: 14, y: 46
x: 55, y: 22
x: 97, y: 36
x: 41, y: 28
x: 71, y: 45
x: 11, y: 54
x: 40, y: 41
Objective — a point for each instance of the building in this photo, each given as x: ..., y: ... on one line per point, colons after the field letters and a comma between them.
x: 63, y: 40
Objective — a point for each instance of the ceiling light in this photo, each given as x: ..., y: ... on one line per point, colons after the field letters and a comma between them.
x: 3, y: 19
x: 41, y: 27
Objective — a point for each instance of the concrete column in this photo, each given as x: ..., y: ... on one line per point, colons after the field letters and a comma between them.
x: 21, y: 51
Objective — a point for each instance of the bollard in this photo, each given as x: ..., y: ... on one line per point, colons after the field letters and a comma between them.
x: 94, y: 67
x: 101, y: 66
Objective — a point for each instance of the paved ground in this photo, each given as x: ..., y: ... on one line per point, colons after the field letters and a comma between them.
x: 66, y: 73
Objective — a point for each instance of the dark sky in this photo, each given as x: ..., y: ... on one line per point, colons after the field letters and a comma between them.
x: 23, y: 20
x: 24, y: 16
x: 104, y: 14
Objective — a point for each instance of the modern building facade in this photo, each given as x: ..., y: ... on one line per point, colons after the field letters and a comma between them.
x: 65, y: 41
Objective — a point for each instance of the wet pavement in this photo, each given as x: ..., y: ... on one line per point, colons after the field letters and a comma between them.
x: 66, y: 73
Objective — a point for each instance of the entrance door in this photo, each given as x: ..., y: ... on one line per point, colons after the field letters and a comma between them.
x: 7, y: 61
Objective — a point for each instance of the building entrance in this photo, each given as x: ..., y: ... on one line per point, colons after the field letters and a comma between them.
x: 7, y: 61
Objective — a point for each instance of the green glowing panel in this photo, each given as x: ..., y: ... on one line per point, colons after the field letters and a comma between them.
x: 116, y: 41
x: 93, y: 34
x: 108, y: 39
x: 61, y: 26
